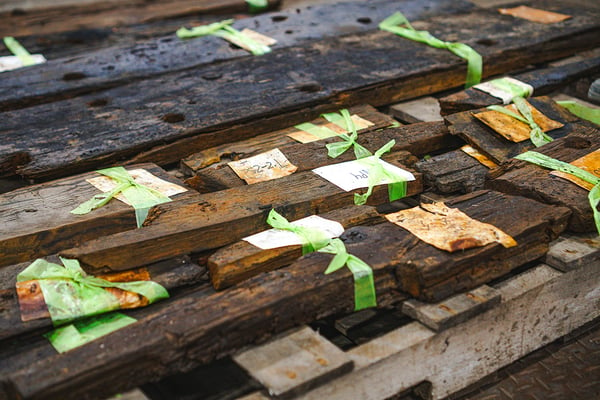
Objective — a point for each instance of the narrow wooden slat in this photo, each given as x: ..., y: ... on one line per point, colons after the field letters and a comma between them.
x: 570, y: 252
x: 452, y: 172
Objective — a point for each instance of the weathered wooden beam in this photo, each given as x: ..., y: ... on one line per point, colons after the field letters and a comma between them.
x: 37, y: 219
x: 569, y: 252
x: 374, y: 67
x: 242, y: 260
x: 499, y: 149
x: 543, y: 80
x: 219, y: 218
x: 452, y: 172
x: 180, y: 333
x: 526, y: 179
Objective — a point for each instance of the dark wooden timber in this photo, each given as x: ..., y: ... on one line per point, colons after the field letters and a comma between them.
x: 499, y: 149
x: 171, y: 274
x: 543, y: 80
x: 185, y: 332
x: 240, y: 261
x: 280, y: 89
x: 220, y: 218
x: 452, y: 172
x: 526, y: 179
x: 37, y: 220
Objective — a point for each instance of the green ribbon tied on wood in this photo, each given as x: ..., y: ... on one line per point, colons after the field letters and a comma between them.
x: 312, y: 239
x: 141, y: 197
x: 256, y: 6
x: 338, y: 148
x: 15, y: 47
x: 508, y: 86
x: 536, y: 135
x: 364, y: 285
x: 398, y: 24
x: 227, y: 32
x: 551, y: 163
x: 70, y: 293
x: 581, y: 111
x: 378, y: 172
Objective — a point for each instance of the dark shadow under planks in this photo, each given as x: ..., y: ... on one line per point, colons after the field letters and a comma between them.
x: 37, y: 219
x: 188, y: 116
x: 191, y: 330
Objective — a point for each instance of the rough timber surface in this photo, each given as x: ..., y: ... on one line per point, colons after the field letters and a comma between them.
x: 374, y: 67
x: 121, y: 64
x: 184, y: 332
x: 37, y: 220
x: 526, y: 179
x: 452, y: 172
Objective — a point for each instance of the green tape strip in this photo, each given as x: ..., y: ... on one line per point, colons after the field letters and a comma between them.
x: 583, y: 112
x: 256, y: 6
x: 551, y: 163
x: 394, y: 24
x: 511, y: 87
x: 225, y: 31
x: 536, y: 135
x: 338, y: 148
x: 142, y: 198
x: 364, y: 285
x: 79, y: 333
x: 70, y: 293
x: 15, y: 47
x: 377, y: 172
x: 312, y: 239
x: 322, y: 132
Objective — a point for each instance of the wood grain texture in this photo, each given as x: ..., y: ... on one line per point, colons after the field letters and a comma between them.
x: 219, y: 218
x: 37, y: 219
x: 373, y: 67
x: 184, y: 332
x: 526, y: 179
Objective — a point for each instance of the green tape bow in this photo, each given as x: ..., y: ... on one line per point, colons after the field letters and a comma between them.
x: 15, y: 47
x: 364, y: 285
x: 378, y: 172
x: 141, y: 197
x: 551, y: 163
x: 394, y: 24
x: 537, y: 136
x: 70, y: 293
x: 79, y: 333
x: 312, y: 239
x: 583, y: 112
x: 338, y: 148
x: 256, y: 6
x: 225, y: 31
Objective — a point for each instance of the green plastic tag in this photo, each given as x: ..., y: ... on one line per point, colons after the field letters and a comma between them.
x: 15, y: 47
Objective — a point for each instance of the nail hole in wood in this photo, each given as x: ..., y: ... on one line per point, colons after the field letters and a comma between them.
x: 73, y: 76
x: 172, y: 118
x: 486, y: 42
x: 364, y: 20
x: 309, y: 87
x: 98, y: 103
x: 289, y: 32
x: 278, y: 18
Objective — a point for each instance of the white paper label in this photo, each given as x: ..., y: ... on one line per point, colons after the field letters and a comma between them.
x: 274, y: 238
x: 8, y: 63
x: 355, y: 174
x: 263, y: 167
x: 259, y: 37
x: 141, y: 176
x: 501, y: 94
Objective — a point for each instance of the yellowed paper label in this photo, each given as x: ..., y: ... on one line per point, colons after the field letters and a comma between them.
x: 257, y: 37
x: 141, y: 176
x: 448, y: 228
x: 483, y: 160
x: 307, y: 137
x: 589, y: 163
x: 263, y: 167
x: 499, y: 93
x: 534, y: 14
x: 8, y: 63
x: 513, y: 129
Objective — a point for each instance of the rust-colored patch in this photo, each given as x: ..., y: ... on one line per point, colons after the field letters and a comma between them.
x: 291, y: 374
x: 322, y: 361
x: 31, y: 301
x: 534, y: 14
x: 590, y: 163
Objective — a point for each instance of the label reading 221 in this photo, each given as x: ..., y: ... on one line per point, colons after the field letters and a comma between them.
x: 263, y: 167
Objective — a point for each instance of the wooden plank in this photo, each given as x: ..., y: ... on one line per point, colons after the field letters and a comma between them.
x: 123, y: 63
x: 241, y: 260
x: 498, y: 148
x: 526, y: 179
x: 453, y: 310
x: 543, y: 80
x: 180, y: 333
x: 175, y: 109
x: 294, y: 363
x: 573, y: 251
x: 171, y: 274
x: 219, y: 218
x: 452, y: 172
x: 37, y: 219
x: 425, y: 109
x: 246, y: 148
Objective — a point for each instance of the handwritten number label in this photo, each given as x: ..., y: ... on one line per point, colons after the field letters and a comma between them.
x: 263, y: 167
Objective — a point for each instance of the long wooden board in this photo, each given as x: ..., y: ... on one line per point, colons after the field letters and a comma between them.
x: 181, y: 333
x: 374, y: 67
x: 220, y: 218
x: 37, y: 221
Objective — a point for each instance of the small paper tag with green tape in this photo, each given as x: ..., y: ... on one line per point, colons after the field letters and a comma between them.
x: 263, y: 167
x: 309, y: 132
x: 534, y: 14
x: 590, y: 163
x: 21, y: 57
x: 505, y: 88
x: 483, y: 160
